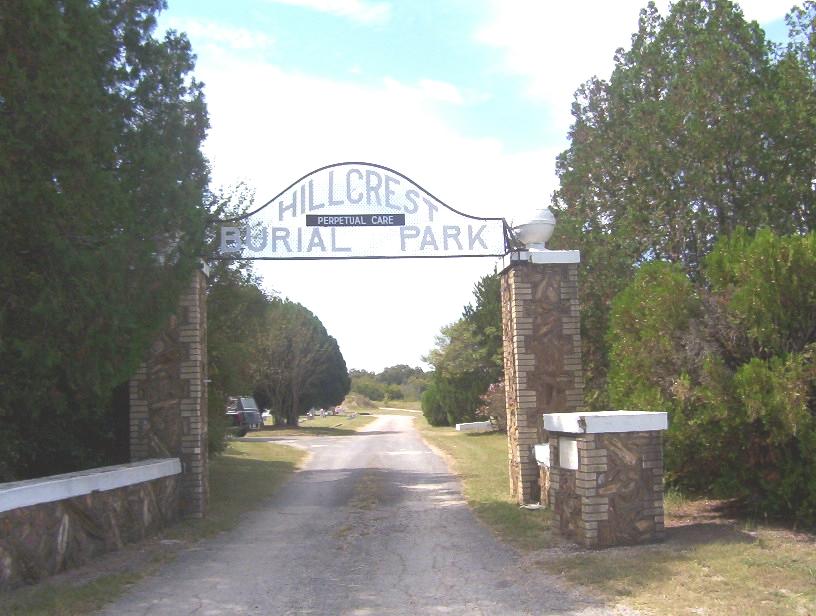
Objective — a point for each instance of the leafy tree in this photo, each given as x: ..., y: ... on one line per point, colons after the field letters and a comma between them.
x: 413, y: 388
x: 467, y: 358
x: 432, y: 407
x: 393, y: 383
x: 236, y: 315
x: 368, y: 387
x: 766, y: 282
x: 354, y: 372
x: 485, y: 317
x: 702, y: 127
x: 101, y: 195
x: 398, y: 375
x: 300, y: 364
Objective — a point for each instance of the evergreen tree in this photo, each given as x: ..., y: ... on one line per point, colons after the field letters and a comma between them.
x: 101, y: 200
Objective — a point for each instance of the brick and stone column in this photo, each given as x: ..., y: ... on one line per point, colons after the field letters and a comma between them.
x: 168, y: 398
x: 542, y: 354
x: 606, y: 476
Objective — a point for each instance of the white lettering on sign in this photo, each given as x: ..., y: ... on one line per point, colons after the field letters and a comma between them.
x: 359, y: 210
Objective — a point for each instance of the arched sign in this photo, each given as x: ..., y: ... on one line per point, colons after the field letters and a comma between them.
x: 359, y: 211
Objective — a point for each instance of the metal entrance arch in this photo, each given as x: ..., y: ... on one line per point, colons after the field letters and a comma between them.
x: 357, y: 210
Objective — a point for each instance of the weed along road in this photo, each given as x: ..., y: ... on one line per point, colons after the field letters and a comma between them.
x: 373, y: 524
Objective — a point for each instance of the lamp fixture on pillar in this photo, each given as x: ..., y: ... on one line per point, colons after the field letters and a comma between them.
x: 536, y: 233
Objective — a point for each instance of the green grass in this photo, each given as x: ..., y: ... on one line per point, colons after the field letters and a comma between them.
x: 413, y: 405
x: 773, y: 574
x: 395, y: 411
x: 333, y: 425
x: 49, y: 599
x: 241, y: 480
x: 481, y: 461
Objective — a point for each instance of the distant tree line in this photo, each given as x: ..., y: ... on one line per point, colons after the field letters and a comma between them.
x: 689, y: 188
x: 400, y: 382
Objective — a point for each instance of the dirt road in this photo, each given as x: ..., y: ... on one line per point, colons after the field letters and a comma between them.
x: 374, y: 524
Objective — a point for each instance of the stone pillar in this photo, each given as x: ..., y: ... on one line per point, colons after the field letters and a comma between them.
x: 542, y: 354
x: 168, y: 398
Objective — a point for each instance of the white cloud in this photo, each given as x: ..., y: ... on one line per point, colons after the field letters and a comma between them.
x: 556, y: 46
x: 211, y: 33
x: 765, y: 11
x: 441, y: 91
x: 273, y: 125
x: 357, y: 10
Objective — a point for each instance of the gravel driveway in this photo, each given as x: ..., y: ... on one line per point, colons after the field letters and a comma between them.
x: 373, y: 524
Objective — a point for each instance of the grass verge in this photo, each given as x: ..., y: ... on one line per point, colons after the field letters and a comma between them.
x: 763, y: 573
x: 709, y: 564
x: 242, y: 478
x: 709, y: 568
x: 481, y: 462
x: 413, y: 405
x: 406, y: 412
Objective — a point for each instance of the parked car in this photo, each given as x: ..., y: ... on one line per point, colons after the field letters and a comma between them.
x: 244, y: 415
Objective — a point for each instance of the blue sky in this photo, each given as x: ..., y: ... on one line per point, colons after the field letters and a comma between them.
x: 469, y: 98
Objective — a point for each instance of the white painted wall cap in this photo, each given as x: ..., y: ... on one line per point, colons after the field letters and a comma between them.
x: 59, y: 487
x: 555, y: 256
x: 541, y: 256
x: 606, y: 421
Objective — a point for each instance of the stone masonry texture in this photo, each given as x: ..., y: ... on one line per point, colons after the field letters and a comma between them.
x: 168, y: 398
x: 616, y: 495
x: 45, y: 539
x: 542, y: 361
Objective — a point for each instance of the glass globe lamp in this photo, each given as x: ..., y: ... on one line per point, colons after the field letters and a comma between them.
x: 536, y: 233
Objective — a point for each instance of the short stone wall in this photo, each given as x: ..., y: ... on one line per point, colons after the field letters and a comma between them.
x: 64, y: 521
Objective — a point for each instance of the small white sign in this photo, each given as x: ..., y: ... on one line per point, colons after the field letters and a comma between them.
x: 568, y: 453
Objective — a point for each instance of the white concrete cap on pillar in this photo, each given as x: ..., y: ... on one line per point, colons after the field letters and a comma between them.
x: 606, y: 421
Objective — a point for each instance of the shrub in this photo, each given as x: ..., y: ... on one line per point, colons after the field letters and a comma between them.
x: 368, y: 387
x: 494, y: 406
x: 432, y: 407
x: 392, y: 392
x: 732, y: 361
